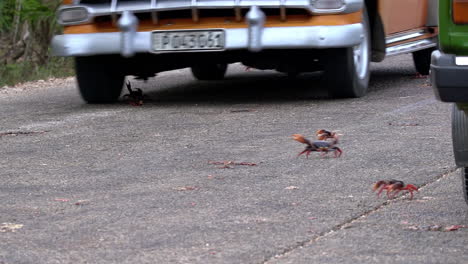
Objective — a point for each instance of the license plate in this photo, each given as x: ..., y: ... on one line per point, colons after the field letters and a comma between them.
x: 188, y: 40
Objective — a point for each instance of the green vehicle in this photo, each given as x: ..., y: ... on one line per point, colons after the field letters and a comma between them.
x: 449, y: 75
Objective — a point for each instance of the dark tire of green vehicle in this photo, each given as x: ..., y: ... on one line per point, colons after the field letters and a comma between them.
x: 422, y: 60
x: 206, y: 72
x: 99, y: 79
x: 340, y: 75
x: 460, y: 144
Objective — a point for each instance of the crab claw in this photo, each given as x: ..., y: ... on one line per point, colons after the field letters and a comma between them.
x: 379, y: 187
x: 379, y: 184
x: 410, y: 188
x: 300, y: 138
x: 338, y: 152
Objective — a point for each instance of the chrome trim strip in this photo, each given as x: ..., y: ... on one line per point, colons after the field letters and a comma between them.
x: 411, y: 46
x: 237, y: 10
x: 282, y: 10
x: 404, y: 36
x: 113, y: 8
x: 154, y: 14
x: 193, y: 5
x: 317, y: 37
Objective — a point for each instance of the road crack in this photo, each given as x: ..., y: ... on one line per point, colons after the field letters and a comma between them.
x: 352, y: 220
x: 17, y: 133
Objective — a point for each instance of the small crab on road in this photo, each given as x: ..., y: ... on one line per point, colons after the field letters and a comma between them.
x: 318, y: 146
x: 393, y: 187
x: 134, y: 97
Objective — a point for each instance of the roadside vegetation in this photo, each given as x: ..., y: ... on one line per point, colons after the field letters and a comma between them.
x: 26, y: 28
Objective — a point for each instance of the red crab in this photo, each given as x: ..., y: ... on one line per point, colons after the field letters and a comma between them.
x: 318, y: 146
x: 134, y: 97
x: 393, y: 187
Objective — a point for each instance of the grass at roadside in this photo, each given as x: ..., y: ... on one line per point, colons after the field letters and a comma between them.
x: 20, y: 72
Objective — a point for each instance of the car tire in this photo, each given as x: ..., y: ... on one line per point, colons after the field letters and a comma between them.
x: 205, y: 72
x: 422, y: 60
x: 460, y: 136
x: 99, y: 79
x: 347, y: 70
x: 460, y: 144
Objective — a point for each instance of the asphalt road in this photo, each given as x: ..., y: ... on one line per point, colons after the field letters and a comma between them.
x: 124, y: 184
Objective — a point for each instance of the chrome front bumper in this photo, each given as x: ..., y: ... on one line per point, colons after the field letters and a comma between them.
x: 254, y: 38
x: 272, y: 38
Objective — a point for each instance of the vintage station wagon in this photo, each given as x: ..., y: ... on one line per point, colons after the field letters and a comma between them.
x: 114, y: 38
x: 449, y: 76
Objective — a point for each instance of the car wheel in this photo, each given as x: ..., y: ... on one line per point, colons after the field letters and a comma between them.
x: 422, y: 60
x: 347, y: 70
x: 209, y: 71
x: 99, y: 79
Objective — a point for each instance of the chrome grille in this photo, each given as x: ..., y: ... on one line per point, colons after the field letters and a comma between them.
x: 236, y: 8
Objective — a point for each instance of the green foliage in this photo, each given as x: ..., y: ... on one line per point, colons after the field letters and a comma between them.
x: 7, y: 13
x: 26, y: 28
x: 36, y: 10
x: 30, y: 11
x: 11, y: 74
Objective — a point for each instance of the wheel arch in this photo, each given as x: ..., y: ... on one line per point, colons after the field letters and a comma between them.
x: 378, y: 45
